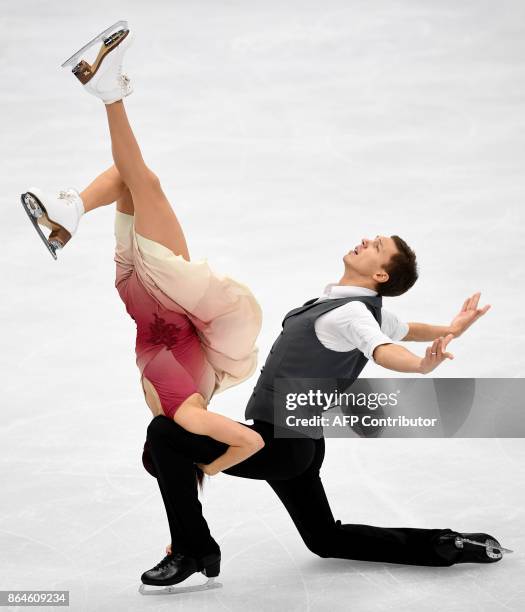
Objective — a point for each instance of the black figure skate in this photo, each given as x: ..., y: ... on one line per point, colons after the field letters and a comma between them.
x: 176, y: 568
x: 473, y: 547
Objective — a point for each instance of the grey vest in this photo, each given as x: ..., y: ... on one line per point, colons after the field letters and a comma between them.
x: 298, y: 355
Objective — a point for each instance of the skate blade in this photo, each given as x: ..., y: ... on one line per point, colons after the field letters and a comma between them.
x: 490, y: 546
x: 33, y: 210
x: 146, y: 589
x: 59, y: 235
x: 73, y: 60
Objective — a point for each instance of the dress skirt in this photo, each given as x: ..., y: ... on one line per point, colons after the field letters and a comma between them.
x: 196, y: 330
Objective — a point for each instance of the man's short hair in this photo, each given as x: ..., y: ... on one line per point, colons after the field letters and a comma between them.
x: 401, y: 269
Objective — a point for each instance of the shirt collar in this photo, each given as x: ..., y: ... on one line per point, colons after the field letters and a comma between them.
x: 333, y: 290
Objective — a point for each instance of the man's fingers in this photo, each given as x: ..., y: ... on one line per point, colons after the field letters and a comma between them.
x: 465, y: 304
x: 443, y: 341
x: 429, y: 352
x: 436, y: 349
x: 473, y: 302
x: 480, y: 312
x: 435, y: 354
x: 446, y: 340
x: 484, y: 309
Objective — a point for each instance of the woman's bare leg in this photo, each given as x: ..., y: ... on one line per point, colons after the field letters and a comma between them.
x: 107, y: 188
x: 154, y: 216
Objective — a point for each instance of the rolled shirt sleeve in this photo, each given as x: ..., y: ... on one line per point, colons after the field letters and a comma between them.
x: 353, y: 326
x: 392, y: 326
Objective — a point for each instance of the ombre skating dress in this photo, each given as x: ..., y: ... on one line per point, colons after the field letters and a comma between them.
x: 196, y: 330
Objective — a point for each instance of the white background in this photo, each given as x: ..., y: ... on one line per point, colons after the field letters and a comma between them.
x: 283, y: 133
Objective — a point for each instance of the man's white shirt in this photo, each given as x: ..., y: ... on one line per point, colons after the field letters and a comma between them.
x: 352, y: 325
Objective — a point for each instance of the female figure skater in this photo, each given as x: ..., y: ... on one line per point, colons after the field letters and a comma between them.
x: 195, y: 330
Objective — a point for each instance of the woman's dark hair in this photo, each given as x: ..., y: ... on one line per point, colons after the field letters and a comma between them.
x: 401, y: 269
x: 200, y: 477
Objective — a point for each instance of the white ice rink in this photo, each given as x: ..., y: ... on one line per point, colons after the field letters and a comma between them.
x: 283, y: 133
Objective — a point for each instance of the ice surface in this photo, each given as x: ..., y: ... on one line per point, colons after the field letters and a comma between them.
x: 283, y: 133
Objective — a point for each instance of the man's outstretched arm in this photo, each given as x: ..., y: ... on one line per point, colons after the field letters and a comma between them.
x: 468, y: 314
x: 423, y: 332
x: 397, y: 358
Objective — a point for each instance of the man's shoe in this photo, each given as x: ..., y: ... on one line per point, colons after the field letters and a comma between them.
x: 177, y: 567
x: 470, y: 547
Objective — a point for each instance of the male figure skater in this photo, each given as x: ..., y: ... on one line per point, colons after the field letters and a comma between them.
x: 331, y: 337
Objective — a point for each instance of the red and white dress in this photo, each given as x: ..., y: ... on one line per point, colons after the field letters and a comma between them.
x: 196, y: 330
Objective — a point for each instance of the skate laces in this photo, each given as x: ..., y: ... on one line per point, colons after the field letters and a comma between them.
x: 123, y: 80
x: 167, y: 560
x: 70, y: 195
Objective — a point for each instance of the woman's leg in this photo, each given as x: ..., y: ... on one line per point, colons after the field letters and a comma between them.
x: 154, y: 216
x: 107, y: 188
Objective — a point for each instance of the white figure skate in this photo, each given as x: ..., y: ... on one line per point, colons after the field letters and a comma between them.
x: 102, y: 76
x: 61, y: 214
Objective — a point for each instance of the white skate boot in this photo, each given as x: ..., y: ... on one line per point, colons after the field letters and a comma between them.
x: 61, y: 214
x: 103, y: 77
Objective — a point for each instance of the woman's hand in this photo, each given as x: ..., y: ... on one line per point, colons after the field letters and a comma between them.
x: 208, y: 469
x: 241, y: 440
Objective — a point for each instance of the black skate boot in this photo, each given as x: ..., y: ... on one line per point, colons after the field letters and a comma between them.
x: 470, y: 547
x: 177, y: 567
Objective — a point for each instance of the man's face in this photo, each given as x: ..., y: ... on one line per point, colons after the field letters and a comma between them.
x: 370, y: 256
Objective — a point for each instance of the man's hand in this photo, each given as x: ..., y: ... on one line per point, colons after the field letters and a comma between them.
x: 435, y: 354
x: 467, y: 315
x: 208, y: 469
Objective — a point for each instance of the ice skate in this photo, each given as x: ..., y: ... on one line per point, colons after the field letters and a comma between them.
x: 61, y: 214
x: 174, y: 569
x: 474, y: 547
x: 102, y: 76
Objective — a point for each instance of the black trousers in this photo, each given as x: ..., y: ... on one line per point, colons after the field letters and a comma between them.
x: 291, y: 467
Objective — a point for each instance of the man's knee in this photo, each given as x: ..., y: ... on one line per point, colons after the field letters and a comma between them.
x: 322, y: 544
x: 321, y: 549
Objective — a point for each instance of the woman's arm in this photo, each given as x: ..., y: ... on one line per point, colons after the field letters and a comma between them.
x: 243, y: 442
